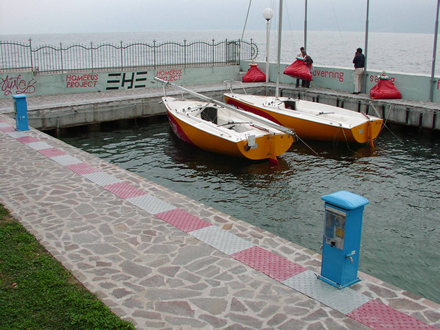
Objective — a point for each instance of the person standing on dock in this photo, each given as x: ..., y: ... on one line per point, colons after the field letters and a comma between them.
x: 301, y: 55
x: 308, y: 62
x: 359, y: 65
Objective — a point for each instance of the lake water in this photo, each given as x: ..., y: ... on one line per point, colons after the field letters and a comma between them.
x: 392, y: 52
x: 400, y: 178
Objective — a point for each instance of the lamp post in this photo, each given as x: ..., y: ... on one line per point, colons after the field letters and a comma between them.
x: 280, y: 25
x: 267, y: 14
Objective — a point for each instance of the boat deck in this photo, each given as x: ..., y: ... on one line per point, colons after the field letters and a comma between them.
x: 163, y: 260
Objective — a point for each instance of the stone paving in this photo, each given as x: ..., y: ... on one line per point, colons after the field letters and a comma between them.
x: 162, y: 260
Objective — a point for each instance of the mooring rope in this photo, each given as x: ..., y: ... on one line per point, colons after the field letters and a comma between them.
x: 306, y: 144
x: 384, y: 124
x: 346, y: 140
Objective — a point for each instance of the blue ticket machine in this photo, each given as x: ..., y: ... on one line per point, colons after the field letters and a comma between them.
x: 343, y: 212
x: 21, y: 113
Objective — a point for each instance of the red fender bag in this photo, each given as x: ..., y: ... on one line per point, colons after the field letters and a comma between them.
x: 298, y: 69
x: 254, y: 74
x: 385, y: 89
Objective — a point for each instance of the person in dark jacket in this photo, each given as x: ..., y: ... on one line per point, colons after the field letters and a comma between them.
x: 308, y: 62
x: 359, y: 67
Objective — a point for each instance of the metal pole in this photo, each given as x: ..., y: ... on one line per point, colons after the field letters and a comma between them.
x: 31, y: 55
x: 280, y: 24
x: 434, y: 55
x: 122, y: 55
x: 61, y: 52
x: 305, y: 25
x: 267, y: 49
x: 91, y: 54
x: 364, y: 84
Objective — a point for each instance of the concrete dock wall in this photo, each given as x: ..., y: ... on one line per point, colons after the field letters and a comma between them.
x: 31, y: 84
x: 89, y: 98
x: 146, y: 104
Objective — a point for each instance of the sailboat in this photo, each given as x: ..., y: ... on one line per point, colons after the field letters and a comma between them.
x: 217, y: 127
x: 310, y: 120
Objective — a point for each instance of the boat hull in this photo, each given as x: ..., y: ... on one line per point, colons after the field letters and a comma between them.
x: 365, y: 132
x: 270, y: 146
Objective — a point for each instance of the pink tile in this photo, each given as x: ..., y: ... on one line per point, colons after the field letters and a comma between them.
x: 124, y: 190
x: 380, y: 316
x: 268, y: 263
x: 27, y: 139
x: 51, y: 152
x: 183, y: 220
x: 82, y: 168
x: 7, y: 129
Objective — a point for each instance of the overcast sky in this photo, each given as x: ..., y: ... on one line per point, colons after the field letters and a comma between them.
x: 68, y: 16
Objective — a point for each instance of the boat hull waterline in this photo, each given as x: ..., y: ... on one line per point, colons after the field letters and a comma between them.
x: 232, y: 135
x: 311, y: 120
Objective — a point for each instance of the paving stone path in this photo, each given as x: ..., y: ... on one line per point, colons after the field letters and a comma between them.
x: 163, y: 260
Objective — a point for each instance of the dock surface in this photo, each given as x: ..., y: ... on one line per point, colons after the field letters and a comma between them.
x: 162, y: 260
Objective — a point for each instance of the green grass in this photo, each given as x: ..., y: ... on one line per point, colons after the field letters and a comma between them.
x: 36, y: 292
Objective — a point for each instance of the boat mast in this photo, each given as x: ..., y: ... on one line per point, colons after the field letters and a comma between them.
x: 280, y: 24
x: 305, y: 25
x: 367, y: 18
x: 434, y: 55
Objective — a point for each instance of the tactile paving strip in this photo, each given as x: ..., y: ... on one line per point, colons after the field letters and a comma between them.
x: 151, y: 204
x: 27, y: 139
x: 66, y: 160
x: 101, y: 178
x: 51, y: 152
x: 183, y: 220
x: 7, y: 129
x: 17, y: 134
x: 268, y: 263
x: 380, y: 316
x: 39, y: 145
x: 343, y: 300
x: 124, y: 190
x: 222, y: 240
x: 82, y: 168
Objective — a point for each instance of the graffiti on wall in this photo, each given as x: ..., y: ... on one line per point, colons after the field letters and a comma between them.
x: 81, y: 80
x: 17, y: 85
x: 126, y: 80
x: 329, y: 74
x: 169, y: 75
x: 376, y: 79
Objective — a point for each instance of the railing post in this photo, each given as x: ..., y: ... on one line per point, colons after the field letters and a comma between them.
x: 226, y: 51
x: 239, y: 51
x: 213, y: 53
x: 154, y: 54
x: 122, y: 57
x: 91, y: 54
x: 184, y: 53
x: 30, y: 51
x: 61, y: 56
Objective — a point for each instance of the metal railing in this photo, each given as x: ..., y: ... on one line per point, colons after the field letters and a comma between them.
x: 15, y: 56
